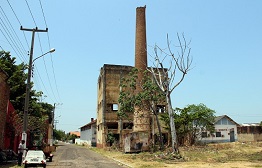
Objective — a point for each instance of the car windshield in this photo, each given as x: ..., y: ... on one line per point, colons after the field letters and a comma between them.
x: 34, y: 154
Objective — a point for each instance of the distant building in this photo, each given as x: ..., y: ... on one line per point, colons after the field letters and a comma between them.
x: 77, y: 133
x: 88, y: 133
x: 225, y: 131
x: 249, y: 132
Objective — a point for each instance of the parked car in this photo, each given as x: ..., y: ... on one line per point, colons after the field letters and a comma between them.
x: 3, y: 158
x: 35, y: 158
x: 10, y: 154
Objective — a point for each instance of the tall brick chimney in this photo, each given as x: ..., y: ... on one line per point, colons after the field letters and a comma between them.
x: 140, y: 43
x: 141, y: 116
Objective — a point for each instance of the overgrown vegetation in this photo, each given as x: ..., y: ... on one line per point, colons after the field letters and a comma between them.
x: 234, y: 154
x: 147, y: 99
x: 189, y: 121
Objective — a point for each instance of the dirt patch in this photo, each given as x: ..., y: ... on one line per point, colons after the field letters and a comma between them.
x: 230, y: 155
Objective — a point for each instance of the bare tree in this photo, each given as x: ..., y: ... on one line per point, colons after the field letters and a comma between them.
x: 167, y: 79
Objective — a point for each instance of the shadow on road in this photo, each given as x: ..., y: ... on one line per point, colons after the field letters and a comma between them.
x: 8, y: 164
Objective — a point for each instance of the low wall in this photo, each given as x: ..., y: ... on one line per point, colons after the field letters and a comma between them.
x: 249, y: 137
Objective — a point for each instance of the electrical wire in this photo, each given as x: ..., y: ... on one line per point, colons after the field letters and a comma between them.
x: 50, y: 54
x: 30, y: 12
x: 19, y: 24
x: 13, y: 30
x: 43, y: 83
x: 43, y: 12
x: 23, y: 49
x: 11, y: 38
x: 41, y: 44
x: 49, y: 81
x: 21, y: 59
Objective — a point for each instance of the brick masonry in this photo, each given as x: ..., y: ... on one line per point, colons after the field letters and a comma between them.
x: 4, y: 97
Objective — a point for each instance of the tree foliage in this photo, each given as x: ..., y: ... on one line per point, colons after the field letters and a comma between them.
x: 59, y: 135
x: 147, y: 99
x: 127, y: 97
x: 38, y: 111
x: 189, y: 121
x: 16, y: 79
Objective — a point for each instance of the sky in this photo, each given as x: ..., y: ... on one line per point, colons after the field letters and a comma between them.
x: 225, y: 39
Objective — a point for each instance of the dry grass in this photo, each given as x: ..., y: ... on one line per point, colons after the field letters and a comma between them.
x: 230, y: 155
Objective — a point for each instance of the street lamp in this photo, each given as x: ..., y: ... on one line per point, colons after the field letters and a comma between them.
x: 25, y: 120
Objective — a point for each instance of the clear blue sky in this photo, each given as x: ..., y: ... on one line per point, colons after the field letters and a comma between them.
x: 226, y: 42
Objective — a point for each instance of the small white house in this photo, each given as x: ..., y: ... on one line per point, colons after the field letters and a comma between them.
x: 225, y: 131
x: 88, y: 133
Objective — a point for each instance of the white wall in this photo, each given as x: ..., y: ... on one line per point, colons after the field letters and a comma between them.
x: 224, y: 126
x: 88, y: 136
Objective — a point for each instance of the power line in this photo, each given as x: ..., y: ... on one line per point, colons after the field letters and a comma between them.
x: 55, y: 79
x: 49, y: 81
x: 10, y: 36
x: 53, y: 90
x: 19, y: 23
x: 12, y: 28
x: 51, y: 55
x: 14, y: 12
x: 43, y: 84
x: 30, y: 12
x: 43, y: 12
x: 11, y: 45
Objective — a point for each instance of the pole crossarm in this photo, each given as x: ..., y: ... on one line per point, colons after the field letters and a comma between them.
x: 35, y: 29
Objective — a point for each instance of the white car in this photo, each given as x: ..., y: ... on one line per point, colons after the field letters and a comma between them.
x: 35, y: 158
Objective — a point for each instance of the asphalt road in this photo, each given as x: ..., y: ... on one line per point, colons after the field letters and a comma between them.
x: 69, y: 155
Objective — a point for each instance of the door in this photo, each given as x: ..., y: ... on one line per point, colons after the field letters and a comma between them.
x: 232, y: 135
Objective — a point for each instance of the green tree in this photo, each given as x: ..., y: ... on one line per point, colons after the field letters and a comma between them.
x: 151, y: 97
x: 38, y: 112
x: 147, y: 99
x: 59, y: 135
x: 71, y: 137
x: 16, y: 80
x: 190, y: 120
x: 110, y: 138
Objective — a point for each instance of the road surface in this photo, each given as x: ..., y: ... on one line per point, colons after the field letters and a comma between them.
x: 70, y: 155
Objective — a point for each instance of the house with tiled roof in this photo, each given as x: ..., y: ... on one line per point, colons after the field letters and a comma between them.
x: 225, y: 131
x: 88, y: 133
x: 77, y: 133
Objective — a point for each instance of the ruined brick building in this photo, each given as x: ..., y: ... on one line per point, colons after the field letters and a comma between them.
x: 108, y: 94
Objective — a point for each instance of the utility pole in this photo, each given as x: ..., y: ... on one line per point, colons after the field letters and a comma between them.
x: 25, y: 120
x: 53, y: 121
